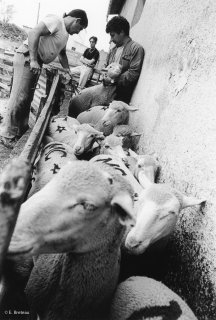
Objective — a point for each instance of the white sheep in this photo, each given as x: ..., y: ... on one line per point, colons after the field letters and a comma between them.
x: 130, y: 136
x: 158, y: 209
x: 77, y: 221
x: 144, y: 167
x: 50, y: 160
x: 115, y: 162
x: 80, y: 137
x: 99, y: 95
x: 111, y: 145
x: 158, y: 206
x: 106, y: 118
x: 145, y: 298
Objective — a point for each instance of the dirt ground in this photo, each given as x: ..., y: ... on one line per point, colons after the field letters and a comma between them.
x: 5, y: 153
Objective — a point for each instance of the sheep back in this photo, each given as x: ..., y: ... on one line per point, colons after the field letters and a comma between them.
x: 146, y: 298
x: 93, y: 115
x: 98, y: 95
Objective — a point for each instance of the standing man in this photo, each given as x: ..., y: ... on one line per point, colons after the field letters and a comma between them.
x: 45, y: 42
x: 89, y: 60
x: 126, y: 52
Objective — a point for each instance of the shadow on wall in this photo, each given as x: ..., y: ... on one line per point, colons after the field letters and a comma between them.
x: 138, y: 12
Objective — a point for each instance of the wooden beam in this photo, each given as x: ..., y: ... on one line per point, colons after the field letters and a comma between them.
x: 14, y: 180
x: 4, y: 86
x: 32, y: 145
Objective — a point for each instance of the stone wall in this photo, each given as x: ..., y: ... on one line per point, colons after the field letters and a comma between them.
x: 176, y: 95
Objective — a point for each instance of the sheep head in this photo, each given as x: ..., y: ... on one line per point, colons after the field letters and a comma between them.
x: 145, y: 168
x: 86, y: 136
x: 113, y: 72
x: 75, y: 212
x: 117, y: 113
x: 158, y: 210
x: 112, y: 145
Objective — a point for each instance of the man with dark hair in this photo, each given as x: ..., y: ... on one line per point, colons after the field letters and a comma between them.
x: 88, y: 60
x: 45, y: 42
x: 126, y: 52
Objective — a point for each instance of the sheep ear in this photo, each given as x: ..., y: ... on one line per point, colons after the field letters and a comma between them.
x: 135, y: 134
x: 132, y: 108
x: 100, y: 136
x: 191, y: 201
x: 19, y: 244
x: 133, y: 154
x: 123, y: 206
x: 92, y: 125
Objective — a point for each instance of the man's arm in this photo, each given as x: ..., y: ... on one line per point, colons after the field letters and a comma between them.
x: 130, y: 76
x: 33, y: 41
x: 90, y: 62
x: 87, y: 61
x: 63, y: 59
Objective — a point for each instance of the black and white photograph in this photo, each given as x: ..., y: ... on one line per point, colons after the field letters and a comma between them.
x: 107, y: 160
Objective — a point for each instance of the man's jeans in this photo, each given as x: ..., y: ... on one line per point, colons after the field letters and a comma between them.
x: 84, y: 72
x: 15, y: 122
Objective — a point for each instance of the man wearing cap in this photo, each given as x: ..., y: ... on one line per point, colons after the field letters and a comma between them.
x: 88, y: 60
x: 45, y: 42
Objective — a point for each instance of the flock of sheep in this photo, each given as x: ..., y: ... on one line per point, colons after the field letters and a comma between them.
x: 92, y: 199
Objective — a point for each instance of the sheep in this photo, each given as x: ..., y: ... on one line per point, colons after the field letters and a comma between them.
x: 131, y: 137
x: 99, y: 95
x: 75, y: 224
x: 80, y: 137
x: 158, y: 210
x: 111, y: 145
x: 145, y: 298
x: 145, y: 168
x: 106, y: 118
x: 50, y: 160
x: 115, y: 162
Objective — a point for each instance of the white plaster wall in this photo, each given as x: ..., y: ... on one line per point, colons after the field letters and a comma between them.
x: 176, y: 94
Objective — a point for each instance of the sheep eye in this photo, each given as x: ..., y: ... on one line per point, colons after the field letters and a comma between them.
x: 88, y: 206
x: 171, y: 212
x: 107, y: 147
x: 110, y: 180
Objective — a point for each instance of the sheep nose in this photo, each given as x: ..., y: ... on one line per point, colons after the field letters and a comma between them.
x: 106, y: 122
x: 78, y: 149
x: 133, y: 243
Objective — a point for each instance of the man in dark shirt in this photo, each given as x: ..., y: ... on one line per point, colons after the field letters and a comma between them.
x: 89, y: 60
x: 128, y: 53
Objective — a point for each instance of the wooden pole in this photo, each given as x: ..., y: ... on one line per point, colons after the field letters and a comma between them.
x: 15, y: 177
x: 32, y: 145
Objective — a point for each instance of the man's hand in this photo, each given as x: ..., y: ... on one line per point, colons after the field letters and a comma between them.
x: 67, y: 70
x: 35, y: 67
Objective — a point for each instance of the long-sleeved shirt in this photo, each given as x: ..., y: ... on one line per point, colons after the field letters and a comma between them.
x: 131, y: 61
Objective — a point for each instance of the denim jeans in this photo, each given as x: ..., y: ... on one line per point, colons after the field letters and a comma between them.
x: 15, y: 122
